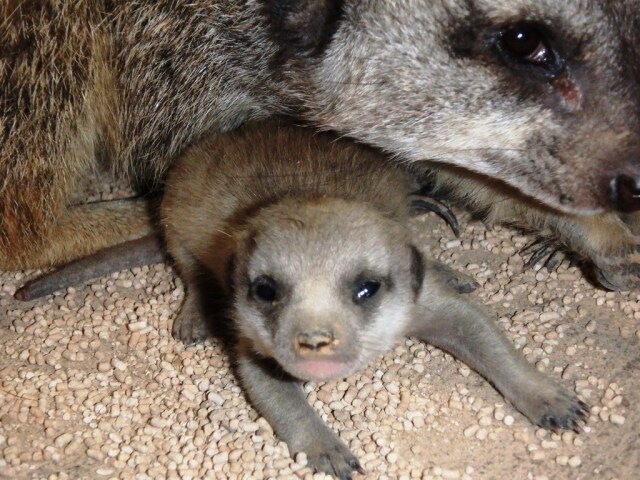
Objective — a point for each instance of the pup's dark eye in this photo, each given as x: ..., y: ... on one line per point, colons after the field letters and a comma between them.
x: 526, y: 42
x: 264, y: 289
x: 365, y: 290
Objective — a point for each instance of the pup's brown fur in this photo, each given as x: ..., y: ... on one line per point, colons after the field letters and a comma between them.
x: 538, y: 96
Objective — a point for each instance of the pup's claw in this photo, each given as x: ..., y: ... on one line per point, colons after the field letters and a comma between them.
x: 337, y: 461
x: 555, y: 408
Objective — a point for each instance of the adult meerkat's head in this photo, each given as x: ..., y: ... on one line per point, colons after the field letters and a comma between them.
x: 324, y: 286
x: 543, y: 96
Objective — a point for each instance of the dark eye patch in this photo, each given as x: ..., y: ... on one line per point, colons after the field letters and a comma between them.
x: 365, y: 290
x: 265, y: 289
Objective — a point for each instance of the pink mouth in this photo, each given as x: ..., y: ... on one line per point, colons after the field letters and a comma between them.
x: 320, y: 370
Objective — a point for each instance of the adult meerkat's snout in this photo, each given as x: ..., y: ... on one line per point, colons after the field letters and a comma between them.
x: 538, y: 96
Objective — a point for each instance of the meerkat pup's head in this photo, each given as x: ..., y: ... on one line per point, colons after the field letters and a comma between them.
x: 324, y: 286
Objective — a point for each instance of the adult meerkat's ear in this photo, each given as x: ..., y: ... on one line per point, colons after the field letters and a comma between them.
x: 305, y: 27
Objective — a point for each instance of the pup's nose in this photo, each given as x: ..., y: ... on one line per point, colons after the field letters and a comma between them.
x: 318, y: 341
x: 625, y: 190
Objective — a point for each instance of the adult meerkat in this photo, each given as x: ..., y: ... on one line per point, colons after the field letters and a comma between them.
x: 308, y: 236
x: 538, y: 98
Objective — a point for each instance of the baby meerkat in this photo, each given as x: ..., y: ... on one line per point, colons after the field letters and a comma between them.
x: 308, y: 236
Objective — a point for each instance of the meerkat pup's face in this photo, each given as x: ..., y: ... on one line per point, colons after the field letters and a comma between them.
x: 324, y: 286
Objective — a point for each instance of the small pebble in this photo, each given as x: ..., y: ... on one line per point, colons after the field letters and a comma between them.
x: 575, y: 462
x: 63, y: 440
x: 617, y: 419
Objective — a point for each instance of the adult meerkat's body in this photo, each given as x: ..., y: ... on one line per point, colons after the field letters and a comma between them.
x: 322, y: 276
x: 538, y: 98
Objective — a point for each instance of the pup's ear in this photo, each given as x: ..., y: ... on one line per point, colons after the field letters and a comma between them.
x: 417, y: 270
x: 305, y: 27
x: 244, y: 241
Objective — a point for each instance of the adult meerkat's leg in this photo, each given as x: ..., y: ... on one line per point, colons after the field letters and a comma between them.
x: 77, y: 231
x: 57, y: 122
x: 607, y: 241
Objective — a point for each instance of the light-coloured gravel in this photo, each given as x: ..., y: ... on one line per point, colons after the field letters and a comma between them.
x: 93, y: 386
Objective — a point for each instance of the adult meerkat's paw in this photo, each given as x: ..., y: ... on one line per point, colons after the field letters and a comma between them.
x: 614, y: 249
x: 553, y: 407
x: 619, y: 273
x: 425, y: 200
x: 547, y: 251
x: 607, y: 246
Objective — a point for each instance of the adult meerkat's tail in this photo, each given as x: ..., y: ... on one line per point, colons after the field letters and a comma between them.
x: 130, y: 254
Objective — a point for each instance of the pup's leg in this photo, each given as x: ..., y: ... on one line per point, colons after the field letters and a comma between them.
x: 460, y: 282
x: 447, y: 320
x: 72, y: 233
x: 189, y: 325
x: 280, y: 400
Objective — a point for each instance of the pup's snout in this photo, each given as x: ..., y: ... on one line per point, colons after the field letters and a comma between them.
x: 625, y: 190
x: 315, y: 342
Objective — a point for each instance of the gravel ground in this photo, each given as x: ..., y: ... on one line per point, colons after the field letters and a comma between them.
x: 93, y: 386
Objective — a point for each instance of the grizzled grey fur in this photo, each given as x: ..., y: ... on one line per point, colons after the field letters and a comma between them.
x: 537, y: 101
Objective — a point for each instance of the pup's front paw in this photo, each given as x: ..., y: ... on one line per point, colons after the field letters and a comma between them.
x: 336, y: 460
x: 326, y: 453
x: 189, y: 326
x: 554, y: 408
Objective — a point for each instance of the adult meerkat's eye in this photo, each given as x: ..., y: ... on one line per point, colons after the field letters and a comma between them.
x: 365, y: 290
x: 527, y: 43
x: 264, y: 289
